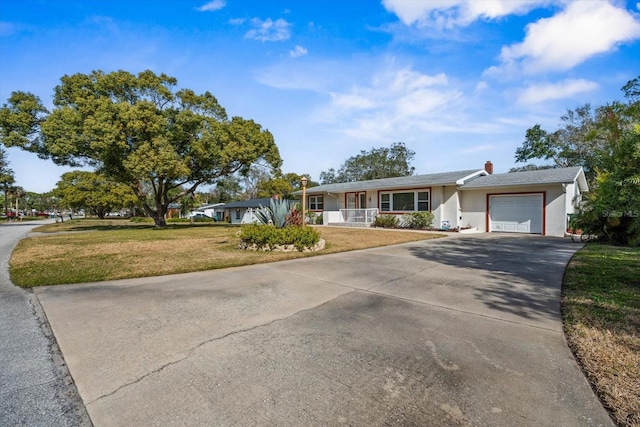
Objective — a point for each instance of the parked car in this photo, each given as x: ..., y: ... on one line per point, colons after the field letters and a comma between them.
x: 201, y: 215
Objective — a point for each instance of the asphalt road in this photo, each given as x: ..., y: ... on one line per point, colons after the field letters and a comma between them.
x: 35, y: 386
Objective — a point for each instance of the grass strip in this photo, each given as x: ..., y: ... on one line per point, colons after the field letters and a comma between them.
x: 601, y: 313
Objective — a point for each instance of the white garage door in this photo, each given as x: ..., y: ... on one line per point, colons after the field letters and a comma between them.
x: 518, y: 213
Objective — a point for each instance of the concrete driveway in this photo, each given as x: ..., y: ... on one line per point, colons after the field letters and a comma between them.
x: 458, y: 331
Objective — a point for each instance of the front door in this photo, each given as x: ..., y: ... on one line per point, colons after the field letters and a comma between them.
x: 351, y: 201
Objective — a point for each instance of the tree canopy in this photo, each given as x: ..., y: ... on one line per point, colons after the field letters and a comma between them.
x: 605, y: 141
x: 140, y: 131
x: 579, y: 141
x: 283, y: 185
x: 384, y: 162
x: 96, y: 193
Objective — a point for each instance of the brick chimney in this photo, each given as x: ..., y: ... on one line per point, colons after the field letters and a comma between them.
x: 488, y: 167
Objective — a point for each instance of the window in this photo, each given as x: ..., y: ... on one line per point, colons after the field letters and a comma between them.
x: 423, y: 201
x: 237, y: 213
x: 385, y: 203
x: 316, y: 203
x: 405, y: 201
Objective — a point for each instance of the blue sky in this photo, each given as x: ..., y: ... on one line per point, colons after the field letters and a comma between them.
x: 458, y: 81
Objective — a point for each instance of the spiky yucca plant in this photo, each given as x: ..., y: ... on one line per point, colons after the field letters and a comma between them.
x: 276, y: 214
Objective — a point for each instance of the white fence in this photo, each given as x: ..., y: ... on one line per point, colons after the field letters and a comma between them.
x: 361, y: 216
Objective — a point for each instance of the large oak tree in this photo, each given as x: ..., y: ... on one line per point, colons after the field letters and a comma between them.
x: 383, y: 162
x: 140, y: 131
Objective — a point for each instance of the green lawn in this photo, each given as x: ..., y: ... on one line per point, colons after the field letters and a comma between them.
x: 601, y: 311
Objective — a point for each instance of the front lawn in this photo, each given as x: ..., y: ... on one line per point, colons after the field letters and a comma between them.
x: 601, y: 311
x: 80, y: 251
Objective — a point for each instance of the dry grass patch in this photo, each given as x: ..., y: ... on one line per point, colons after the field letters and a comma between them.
x: 601, y: 311
x: 90, y: 251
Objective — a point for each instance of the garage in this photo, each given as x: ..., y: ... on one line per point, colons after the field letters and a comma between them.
x: 516, y: 213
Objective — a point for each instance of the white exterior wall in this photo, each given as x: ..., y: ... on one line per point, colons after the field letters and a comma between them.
x: 437, y: 205
x: 329, y: 217
x: 474, y: 206
x: 450, y: 207
x: 574, y: 197
x: 246, y: 216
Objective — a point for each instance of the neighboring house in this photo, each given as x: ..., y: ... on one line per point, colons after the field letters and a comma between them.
x: 535, y: 202
x: 214, y: 211
x: 173, y: 210
x: 242, y: 212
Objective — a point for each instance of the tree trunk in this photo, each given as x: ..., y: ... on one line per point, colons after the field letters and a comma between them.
x: 157, y: 215
x: 159, y: 220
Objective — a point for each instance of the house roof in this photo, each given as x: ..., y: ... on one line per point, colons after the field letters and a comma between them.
x: 538, y: 177
x: 414, y: 181
x: 252, y: 203
x: 210, y: 206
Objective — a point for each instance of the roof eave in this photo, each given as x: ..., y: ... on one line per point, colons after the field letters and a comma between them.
x: 582, y: 181
x: 462, y: 180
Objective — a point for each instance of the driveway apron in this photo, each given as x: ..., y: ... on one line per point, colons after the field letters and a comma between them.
x: 455, y: 331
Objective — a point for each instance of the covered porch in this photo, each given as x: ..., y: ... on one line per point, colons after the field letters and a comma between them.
x: 350, y: 217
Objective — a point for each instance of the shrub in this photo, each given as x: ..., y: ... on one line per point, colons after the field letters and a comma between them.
x: 294, y: 217
x: 267, y: 237
x: 418, y: 220
x: 386, y: 221
x: 314, y: 218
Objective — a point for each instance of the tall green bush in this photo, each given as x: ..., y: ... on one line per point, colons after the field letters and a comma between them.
x: 418, y: 220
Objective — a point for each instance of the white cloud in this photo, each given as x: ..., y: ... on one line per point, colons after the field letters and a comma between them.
x: 582, y: 30
x: 450, y: 13
x: 481, y: 86
x: 396, y: 104
x: 352, y: 101
x: 536, y: 94
x: 212, y: 6
x: 298, y: 51
x: 236, y: 21
x: 269, y: 30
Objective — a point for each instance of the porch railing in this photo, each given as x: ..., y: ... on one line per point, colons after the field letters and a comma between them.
x: 364, y: 216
